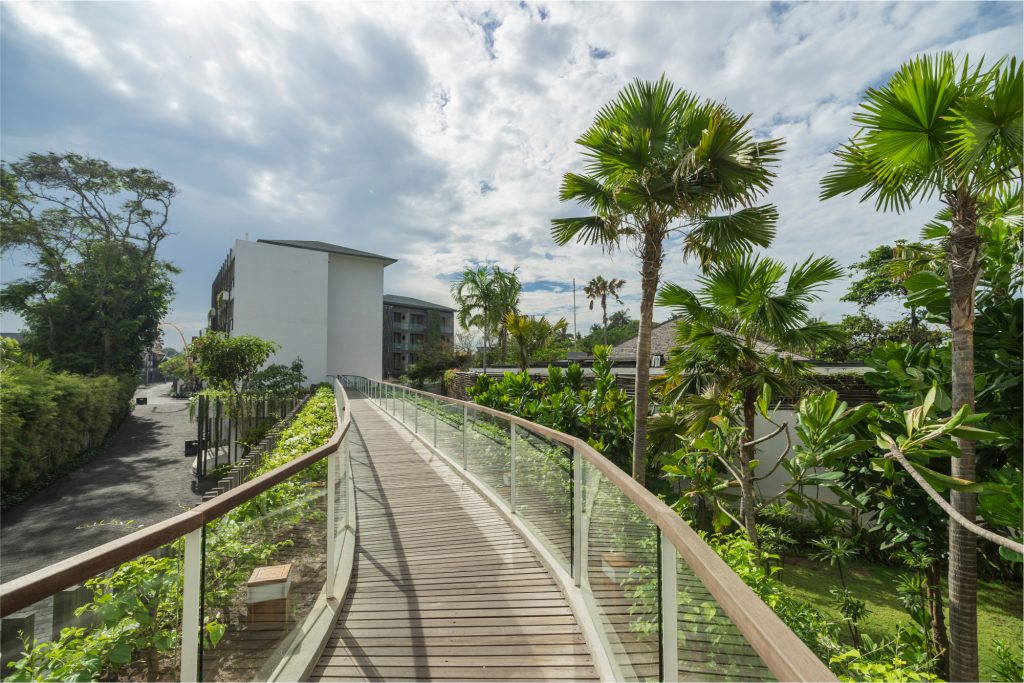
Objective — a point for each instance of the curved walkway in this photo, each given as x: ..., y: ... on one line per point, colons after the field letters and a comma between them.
x: 443, y: 587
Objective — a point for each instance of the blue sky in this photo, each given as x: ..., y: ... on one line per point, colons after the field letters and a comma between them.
x: 437, y: 133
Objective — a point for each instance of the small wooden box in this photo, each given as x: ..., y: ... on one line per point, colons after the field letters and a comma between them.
x: 269, y: 593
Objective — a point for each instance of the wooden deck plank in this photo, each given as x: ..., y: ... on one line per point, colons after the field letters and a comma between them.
x: 443, y: 587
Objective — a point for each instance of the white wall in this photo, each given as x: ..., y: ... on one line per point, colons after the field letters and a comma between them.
x: 356, y: 316
x: 280, y: 293
x: 768, y: 454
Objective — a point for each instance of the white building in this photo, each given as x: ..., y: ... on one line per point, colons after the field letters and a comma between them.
x: 321, y: 302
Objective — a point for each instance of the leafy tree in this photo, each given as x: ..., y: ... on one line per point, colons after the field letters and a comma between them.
x: 278, y: 379
x: 943, y: 127
x: 530, y: 334
x: 230, y: 363
x: 660, y: 162
x: 600, y: 289
x: 89, y: 233
x: 881, y: 269
x: 737, y: 334
x: 620, y: 328
x: 485, y: 295
x: 862, y: 333
x: 175, y: 368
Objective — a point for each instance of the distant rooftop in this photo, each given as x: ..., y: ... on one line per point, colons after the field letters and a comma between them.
x: 409, y: 302
x: 329, y: 248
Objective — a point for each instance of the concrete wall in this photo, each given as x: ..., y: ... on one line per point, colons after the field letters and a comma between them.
x: 356, y: 317
x: 280, y: 294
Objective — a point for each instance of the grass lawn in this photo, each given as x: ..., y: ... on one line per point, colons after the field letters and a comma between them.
x: 999, y: 604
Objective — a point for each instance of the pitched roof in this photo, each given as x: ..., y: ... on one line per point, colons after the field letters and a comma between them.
x: 663, y: 338
x: 409, y: 302
x: 329, y: 248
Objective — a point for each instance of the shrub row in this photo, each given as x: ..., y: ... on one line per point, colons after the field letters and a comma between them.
x: 51, y: 420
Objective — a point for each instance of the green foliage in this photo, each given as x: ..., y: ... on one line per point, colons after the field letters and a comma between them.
x: 1009, y: 665
x: 50, y: 419
x: 484, y: 296
x: 602, y: 415
x: 620, y: 329
x: 435, y: 361
x: 278, y: 379
x: 862, y: 334
x: 530, y: 334
x: 230, y: 362
x: 175, y: 368
x: 138, y: 606
x: 90, y: 233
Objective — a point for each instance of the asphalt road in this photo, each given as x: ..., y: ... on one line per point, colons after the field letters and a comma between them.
x: 142, y: 475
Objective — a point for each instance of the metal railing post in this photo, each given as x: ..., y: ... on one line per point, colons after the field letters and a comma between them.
x: 512, y: 469
x: 578, y: 542
x: 433, y: 404
x: 405, y: 399
x: 190, y: 601
x: 416, y: 417
x: 465, y: 429
x: 669, y: 609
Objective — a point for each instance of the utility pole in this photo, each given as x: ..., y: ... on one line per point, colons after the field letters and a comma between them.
x: 575, y: 332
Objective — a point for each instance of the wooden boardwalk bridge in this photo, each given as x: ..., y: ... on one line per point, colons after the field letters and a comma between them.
x: 432, y: 539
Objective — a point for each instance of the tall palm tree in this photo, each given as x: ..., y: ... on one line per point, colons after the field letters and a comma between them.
x: 661, y: 162
x: 600, y: 289
x: 736, y: 334
x: 531, y: 334
x: 942, y: 127
x: 485, y: 295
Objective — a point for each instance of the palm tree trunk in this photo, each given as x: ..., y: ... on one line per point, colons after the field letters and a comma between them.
x: 939, y: 640
x: 650, y: 270
x: 963, y: 551
x: 604, y: 318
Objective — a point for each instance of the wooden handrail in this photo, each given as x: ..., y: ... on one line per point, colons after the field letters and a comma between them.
x: 788, y: 657
x: 31, y: 588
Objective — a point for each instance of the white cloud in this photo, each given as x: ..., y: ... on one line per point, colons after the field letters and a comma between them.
x: 378, y: 126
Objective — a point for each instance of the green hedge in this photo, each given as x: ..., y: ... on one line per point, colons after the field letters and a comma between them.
x: 50, y: 420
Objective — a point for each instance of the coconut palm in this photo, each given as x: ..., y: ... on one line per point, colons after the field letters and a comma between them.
x: 944, y: 128
x: 600, y: 289
x: 531, y: 334
x: 741, y: 331
x: 661, y: 162
x: 484, y: 295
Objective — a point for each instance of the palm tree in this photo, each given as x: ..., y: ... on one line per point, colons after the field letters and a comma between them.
x: 485, y: 295
x: 661, y: 162
x: 738, y: 333
x: 941, y: 127
x: 601, y: 289
x: 531, y: 333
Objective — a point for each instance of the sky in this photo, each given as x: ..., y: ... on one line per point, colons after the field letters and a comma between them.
x: 438, y: 133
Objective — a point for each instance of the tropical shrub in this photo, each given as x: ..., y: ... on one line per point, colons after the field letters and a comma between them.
x: 51, y: 420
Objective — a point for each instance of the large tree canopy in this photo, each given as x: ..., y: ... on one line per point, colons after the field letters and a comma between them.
x: 88, y: 233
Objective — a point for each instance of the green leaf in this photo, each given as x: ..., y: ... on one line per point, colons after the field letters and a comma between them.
x: 941, y: 482
x: 120, y: 654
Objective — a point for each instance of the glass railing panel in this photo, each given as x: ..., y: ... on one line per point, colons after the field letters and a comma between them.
x: 711, y: 648
x: 264, y: 564
x: 620, y: 575
x: 449, y: 430
x: 343, y: 472
x: 543, y: 494
x: 124, y: 624
x: 489, y: 452
x: 406, y: 407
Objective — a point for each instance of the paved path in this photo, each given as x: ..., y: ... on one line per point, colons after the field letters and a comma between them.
x: 444, y: 587
x: 142, y: 475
